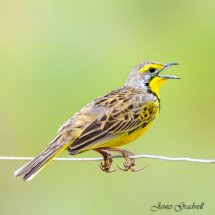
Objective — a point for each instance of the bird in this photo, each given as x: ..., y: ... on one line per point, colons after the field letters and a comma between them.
x: 109, y: 121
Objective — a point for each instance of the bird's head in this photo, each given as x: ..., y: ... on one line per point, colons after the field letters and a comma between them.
x: 147, y: 76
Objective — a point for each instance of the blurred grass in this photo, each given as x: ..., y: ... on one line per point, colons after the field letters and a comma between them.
x: 56, y: 56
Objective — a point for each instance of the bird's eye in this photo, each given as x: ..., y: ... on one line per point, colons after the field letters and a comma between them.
x: 151, y: 69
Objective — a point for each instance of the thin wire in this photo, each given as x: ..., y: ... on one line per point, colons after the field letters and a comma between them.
x: 195, y: 160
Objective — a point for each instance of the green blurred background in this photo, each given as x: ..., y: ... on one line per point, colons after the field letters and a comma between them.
x: 56, y: 56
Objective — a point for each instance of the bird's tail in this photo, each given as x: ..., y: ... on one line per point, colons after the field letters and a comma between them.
x: 29, y: 170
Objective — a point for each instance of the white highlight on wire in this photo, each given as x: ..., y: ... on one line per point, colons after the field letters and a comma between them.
x: 195, y: 160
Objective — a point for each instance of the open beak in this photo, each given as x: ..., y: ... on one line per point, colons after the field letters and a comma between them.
x: 169, y: 76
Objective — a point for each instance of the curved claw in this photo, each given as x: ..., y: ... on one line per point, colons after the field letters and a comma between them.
x: 132, y: 168
x: 110, y: 171
x: 102, y: 166
x: 126, y: 165
x: 137, y: 170
x: 123, y: 169
x: 106, y: 169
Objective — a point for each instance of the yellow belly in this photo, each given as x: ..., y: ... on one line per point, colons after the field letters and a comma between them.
x: 126, y: 138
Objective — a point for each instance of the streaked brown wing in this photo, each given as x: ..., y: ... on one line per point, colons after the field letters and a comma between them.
x: 124, y: 116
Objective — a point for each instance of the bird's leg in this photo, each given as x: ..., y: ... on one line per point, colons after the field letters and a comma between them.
x: 129, y: 163
x: 106, y: 164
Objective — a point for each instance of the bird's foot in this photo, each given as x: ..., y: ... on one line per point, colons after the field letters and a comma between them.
x: 106, y: 163
x: 129, y: 163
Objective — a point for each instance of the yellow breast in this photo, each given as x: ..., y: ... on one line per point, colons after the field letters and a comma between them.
x: 127, y: 138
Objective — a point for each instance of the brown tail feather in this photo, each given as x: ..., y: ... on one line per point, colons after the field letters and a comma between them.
x: 29, y: 170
